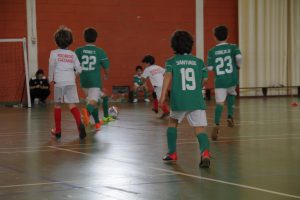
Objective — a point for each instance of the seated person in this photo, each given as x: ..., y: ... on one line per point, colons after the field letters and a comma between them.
x: 139, y: 85
x: 39, y: 87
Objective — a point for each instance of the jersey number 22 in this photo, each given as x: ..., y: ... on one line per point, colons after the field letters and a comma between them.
x: 88, y: 62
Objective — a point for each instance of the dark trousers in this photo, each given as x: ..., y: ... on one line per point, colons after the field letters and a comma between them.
x: 41, y: 94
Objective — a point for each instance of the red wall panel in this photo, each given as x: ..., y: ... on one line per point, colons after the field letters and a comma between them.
x: 219, y: 12
x: 128, y: 29
x: 13, y: 19
x: 12, y: 25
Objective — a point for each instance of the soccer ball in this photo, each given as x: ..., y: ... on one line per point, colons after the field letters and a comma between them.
x: 113, y: 111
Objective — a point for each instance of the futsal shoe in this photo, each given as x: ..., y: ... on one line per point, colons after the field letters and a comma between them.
x: 82, y: 133
x: 164, y: 115
x: 135, y: 100
x: 170, y: 157
x: 230, y: 122
x: 85, y: 116
x: 107, y: 119
x: 155, y: 110
x: 215, y: 132
x: 98, y: 126
x: 56, y: 134
x: 205, y: 159
x: 147, y: 100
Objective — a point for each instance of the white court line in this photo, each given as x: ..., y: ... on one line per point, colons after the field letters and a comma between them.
x: 227, y: 183
x: 192, y: 141
x: 35, y: 184
x: 193, y: 176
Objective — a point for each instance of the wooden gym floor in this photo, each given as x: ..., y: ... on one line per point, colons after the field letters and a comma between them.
x: 257, y: 159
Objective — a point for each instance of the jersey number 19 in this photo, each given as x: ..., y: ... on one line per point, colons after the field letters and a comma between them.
x: 188, y: 79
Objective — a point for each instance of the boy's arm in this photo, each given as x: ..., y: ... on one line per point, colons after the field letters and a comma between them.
x: 105, y: 63
x: 238, y: 56
x: 145, y: 75
x: 51, y: 67
x: 162, y: 70
x: 106, y: 73
x: 77, y: 67
x: 167, y: 80
x: 210, y: 61
x: 204, y: 74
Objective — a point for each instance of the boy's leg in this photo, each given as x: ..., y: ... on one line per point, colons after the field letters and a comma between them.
x: 198, y: 120
x: 230, y: 106
x: 135, y: 92
x: 93, y: 94
x: 105, y: 106
x: 155, y: 102
x: 171, y: 140
x: 220, y: 95
x: 164, y: 107
x: 57, y: 119
x: 146, y: 95
x: 71, y: 97
x: 58, y: 98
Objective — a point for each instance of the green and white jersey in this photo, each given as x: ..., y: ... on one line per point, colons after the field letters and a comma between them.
x: 138, y: 80
x: 222, y: 60
x: 91, y: 59
x: 188, y: 72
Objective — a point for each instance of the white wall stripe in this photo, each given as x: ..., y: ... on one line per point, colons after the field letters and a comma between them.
x: 32, y: 36
x: 199, y: 29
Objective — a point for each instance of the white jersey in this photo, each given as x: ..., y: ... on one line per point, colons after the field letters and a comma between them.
x: 155, y: 74
x: 63, y: 64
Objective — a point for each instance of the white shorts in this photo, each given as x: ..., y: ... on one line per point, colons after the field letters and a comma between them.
x: 221, y: 93
x: 158, y: 91
x: 93, y: 94
x: 66, y: 94
x: 195, y: 118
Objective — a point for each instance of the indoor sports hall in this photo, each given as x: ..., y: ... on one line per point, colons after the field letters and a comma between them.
x: 248, y: 150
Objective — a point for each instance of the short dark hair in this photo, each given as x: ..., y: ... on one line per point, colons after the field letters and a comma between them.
x: 90, y: 35
x: 139, y: 67
x: 221, y: 32
x: 39, y: 71
x: 182, y: 42
x: 149, y: 59
x: 63, y: 37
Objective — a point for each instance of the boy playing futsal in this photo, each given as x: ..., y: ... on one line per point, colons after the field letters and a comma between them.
x: 156, y: 75
x: 139, y: 85
x: 225, y: 60
x: 92, y: 60
x: 63, y: 64
x: 187, y: 74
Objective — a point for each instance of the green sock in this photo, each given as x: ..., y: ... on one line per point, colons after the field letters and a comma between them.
x: 90, y: 108
x: 218, y: 113
x: 172, y: 137
x: 105, y: 106
x: 145, y: 94
x: 134, y: 94
x: 230, y: 104
x: 203, y: 142
x: 96, y: 115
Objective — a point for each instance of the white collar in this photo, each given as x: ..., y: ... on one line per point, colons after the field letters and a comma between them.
x: 221, y: 43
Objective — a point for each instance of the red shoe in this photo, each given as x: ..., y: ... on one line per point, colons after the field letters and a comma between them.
x: 170, y: 157
x: 85, y: 116
x: 98, y: 126
x: 205, y: 159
